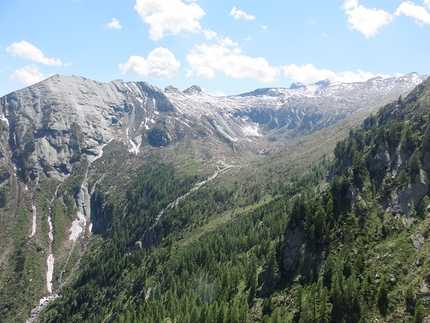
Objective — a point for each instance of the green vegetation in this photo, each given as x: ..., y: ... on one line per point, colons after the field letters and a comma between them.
x: 222, y: 253
x: 298, y: 235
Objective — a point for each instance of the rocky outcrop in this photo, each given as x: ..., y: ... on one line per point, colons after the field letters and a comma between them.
x: 404, y: 202
x: 293, y: 247
x: 71, y: 116
x: 157, y: 137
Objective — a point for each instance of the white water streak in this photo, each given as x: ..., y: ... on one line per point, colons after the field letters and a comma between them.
x: 50, y: 260
x: 33, y: 228
x: 49, y: 272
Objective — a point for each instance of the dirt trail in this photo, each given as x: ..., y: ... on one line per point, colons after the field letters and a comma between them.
x: 180, y: 198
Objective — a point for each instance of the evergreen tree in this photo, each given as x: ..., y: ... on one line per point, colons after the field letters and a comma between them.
x: 382, y: 296
x: 418, y: 312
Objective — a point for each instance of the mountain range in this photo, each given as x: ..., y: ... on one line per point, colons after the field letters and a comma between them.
x: 124, y: 175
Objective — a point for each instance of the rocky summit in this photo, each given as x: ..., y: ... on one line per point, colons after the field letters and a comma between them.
x: 67, y: 114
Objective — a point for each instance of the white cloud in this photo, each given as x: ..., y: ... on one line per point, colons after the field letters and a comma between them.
x: 310, y: 74
x: 114, y: 24
x: 169, y: 15
x: 209, y: 34
x: 410, y: 9
x: 28, y: 75
x: 237, y: 14
x: 160, y: 63
x: 365, y: 20
x: 264, y: 27
x: 26, y: 50
x: 226, y: 57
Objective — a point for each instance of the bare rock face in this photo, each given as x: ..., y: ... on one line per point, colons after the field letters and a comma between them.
x: 404, y: 202
x: 381, y: 160
x: 293, y: 247
x: 157, y: 137
x: 71, y: 116
x: 67, y: 115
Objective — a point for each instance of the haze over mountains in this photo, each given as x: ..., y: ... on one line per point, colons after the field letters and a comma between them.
x: 72, y: 150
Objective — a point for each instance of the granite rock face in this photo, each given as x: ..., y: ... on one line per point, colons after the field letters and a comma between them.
x: 70, y: 115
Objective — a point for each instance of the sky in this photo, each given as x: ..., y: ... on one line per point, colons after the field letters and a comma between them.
x: 226, y: 47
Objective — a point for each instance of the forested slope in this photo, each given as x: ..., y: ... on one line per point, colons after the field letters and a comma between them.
x: 295, y: 251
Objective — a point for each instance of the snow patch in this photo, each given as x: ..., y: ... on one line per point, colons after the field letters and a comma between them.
x: 50, y: 272
x: 33, y: 229
x: 252, y: 130
x: 134, y: 148
x: 51, y: 228
x: 3, y: 118
x: 78, y: 227
x: 101, y: 150
x: 128, y: 88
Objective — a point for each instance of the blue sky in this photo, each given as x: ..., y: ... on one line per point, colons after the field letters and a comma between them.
x: 226, y: 47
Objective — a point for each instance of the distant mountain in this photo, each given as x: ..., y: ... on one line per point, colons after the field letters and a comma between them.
x: 58, y: 109
x: 124, y: 166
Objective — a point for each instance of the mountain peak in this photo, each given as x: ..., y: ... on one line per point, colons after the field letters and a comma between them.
x: 171, y: 88
x: 297, y: 85
x: 193, y: 89
x: 323, y: 83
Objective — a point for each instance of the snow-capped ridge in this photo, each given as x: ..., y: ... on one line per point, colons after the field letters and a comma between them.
x: 193, y: 89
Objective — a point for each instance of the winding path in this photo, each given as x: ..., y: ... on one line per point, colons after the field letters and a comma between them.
x: 180, y: 198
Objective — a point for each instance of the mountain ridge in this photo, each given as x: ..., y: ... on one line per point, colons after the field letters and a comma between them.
x: 69, y: 143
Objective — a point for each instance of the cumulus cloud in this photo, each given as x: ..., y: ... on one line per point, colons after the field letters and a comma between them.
x: 410, y: 9
x: 209, y: 34
x: 310, y: 74
x: 26, y: 50
x: 169, y: 16
x: 237, y: 14
x: 114, y: 24
x: 28, y: 75
x: 160, y: 63
x: 365, y: 20
x: 226, y: 57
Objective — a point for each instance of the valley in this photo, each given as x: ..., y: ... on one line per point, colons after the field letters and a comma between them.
x: 121, y: 202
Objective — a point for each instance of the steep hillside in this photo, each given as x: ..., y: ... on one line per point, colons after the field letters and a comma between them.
x: 108, y: 192
x: 358, y: 251
x: 354, y: 250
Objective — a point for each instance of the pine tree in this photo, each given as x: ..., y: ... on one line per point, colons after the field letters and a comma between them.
x: 418, y: 313
x: 382, y: 296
